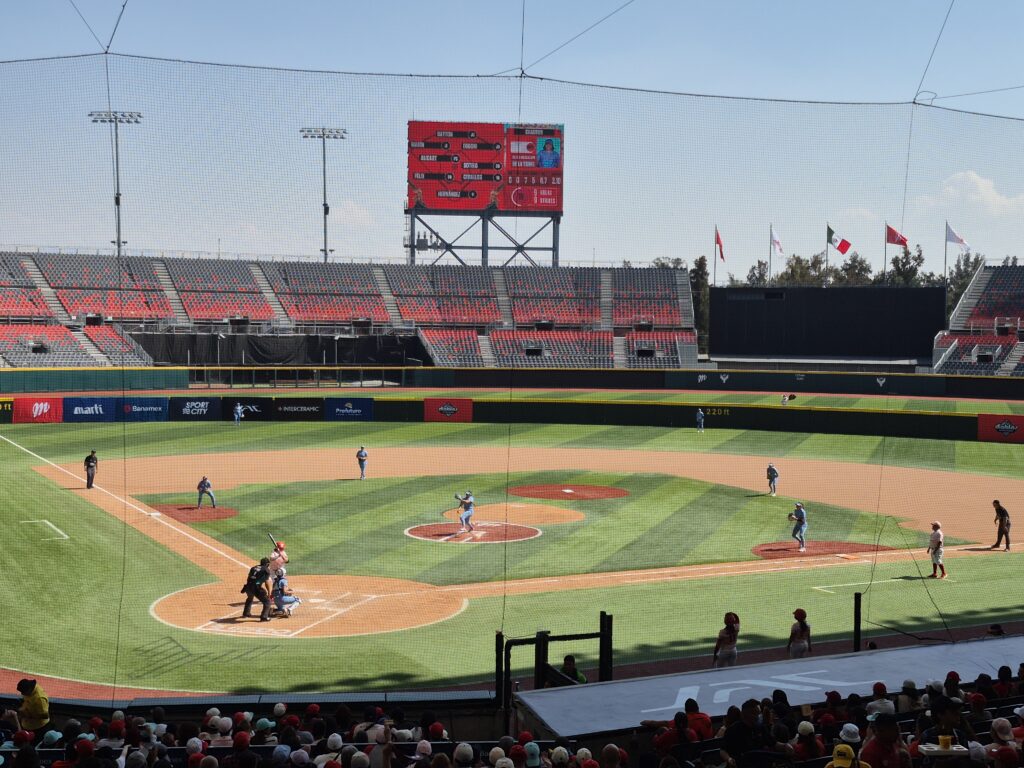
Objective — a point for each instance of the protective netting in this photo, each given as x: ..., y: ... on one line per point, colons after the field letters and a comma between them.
x: 216, y: 165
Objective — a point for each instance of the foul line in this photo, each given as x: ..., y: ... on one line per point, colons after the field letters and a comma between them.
x: 366, y: 599
x: 156, y: 516
x: 61, y: 536
x: 878, y: 582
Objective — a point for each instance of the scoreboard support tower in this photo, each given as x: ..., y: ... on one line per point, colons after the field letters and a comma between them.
x: 462, y: 249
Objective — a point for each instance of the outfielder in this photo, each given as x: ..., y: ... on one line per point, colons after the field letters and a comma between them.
x: 773, y: 475
x: 361, y: 457
x: 238, y: 414
x: 700, y: 420
x: 465, y: 516
x: 935, y: 542
x: 799, y: 519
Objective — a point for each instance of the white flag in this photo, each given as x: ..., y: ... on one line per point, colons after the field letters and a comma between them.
x: 953, y: 237
x: 776, y: 243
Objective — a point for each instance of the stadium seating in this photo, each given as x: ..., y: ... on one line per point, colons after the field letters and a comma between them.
x: 210, y: 275
x: 1003, y: 297
x: 560, y: 348
x: 963, y: 359
x: 453, y: 347
x: 22, y: 303
x: 553, y: 282
x: 303, y: 278
x: 564, y: 311
x: 313, y: 308
x: 419, y: 309
x: 12, y: 272
x: 63, y: 349
x: 629, y: 283
x: 116, y: 347
x: 409, y: 280
x: 218, y: 306
x: 662, y: 312
x: 473, y: 311
x: 67, y: 271
x: 134, y: 305
x: 664, y: 343
x: 462, y: 281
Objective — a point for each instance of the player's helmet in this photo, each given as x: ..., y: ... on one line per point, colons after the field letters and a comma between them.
x: 279, y: 544
x: 800, y: 614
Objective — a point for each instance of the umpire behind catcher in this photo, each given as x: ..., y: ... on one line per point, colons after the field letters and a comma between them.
x: 257, y: 587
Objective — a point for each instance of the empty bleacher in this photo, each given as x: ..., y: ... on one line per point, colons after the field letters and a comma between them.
x: 320, y: 308
x: 220, y: 306
x: 453, y: 347
x: 131, y: 305
x: 70, y: 271
x: 553, y: 349
x: 121, y: 351
x: 1003, y: 298
x: 61, y: 348
x: 12, y: 272
x: 335, y: 279
x: 964, y: 359
x: 645, y: 296
x: 665, y: 346
x: 17, y: 302
x: 563, y: 311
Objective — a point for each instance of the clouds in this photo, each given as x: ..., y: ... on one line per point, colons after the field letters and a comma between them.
x: 970, y: 192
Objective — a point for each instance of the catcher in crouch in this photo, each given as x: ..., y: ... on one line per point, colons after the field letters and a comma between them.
x: 466, y: 513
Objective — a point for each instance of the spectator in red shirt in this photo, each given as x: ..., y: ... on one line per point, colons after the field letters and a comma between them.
x: 807, y: 745
x: 884, y: 749
x: 1018, y: 732
x: 833, y: 706
x: 1002, y: 736
x: 1004, y: 684
x: 699, y: 722
x: 680, y: 734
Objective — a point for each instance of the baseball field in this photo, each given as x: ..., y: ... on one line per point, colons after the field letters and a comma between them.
x: 129, y: 585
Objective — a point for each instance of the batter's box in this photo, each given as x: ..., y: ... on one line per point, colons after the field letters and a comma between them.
x: 257, y: 631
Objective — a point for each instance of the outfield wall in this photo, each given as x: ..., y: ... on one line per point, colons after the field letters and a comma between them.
x: 199, y: 407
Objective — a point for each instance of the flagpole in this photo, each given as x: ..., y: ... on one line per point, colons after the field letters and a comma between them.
x: 945, y: 269
x: 827, y: 244
x: 885, y: 248
x: 714, y: 257
x: 771, y: 247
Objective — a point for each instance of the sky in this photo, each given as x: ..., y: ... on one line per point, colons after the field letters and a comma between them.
x: 217, y: 161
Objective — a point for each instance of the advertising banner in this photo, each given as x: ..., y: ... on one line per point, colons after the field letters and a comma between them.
x: 509, y: 167
x: 298, y: 408
x: 1000, y: 428
x: 447, y: 409
x: 142, y: 409
x: 348, y: 409
x: 79, y: 409
x: 253, y: 408
x: 196, y: 408
x: 38, y: 410
x: 6, y: 410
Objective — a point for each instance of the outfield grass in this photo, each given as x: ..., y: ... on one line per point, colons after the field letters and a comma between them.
x: 79, y: 608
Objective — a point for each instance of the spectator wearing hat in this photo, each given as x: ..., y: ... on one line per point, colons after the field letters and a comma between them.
x: 333, y: 750
x: 517, y: 754
x: 494, y: 756
x: 850, y: 734
x: 263, y: 732
x: 462, y: 755
x: 884, y: 748
x: 223, y: 737
x: 440, y: 760
x: 844, y: 757
x: 932, y: 689
x: 799, y: 644
x: 1018, y: 732
x: 749, y: 735
x: 908, y: 699
x: 504, y: 762
x: 977, y: 709
x: 1002, y: 736
x: 807, y: 745
x: 833, y: 706
x: 559, y: 757
x: 610, y: 756
x: 946, y: 714
x: 524, y: 737
x: 880, y: 701
x: 34, y: 709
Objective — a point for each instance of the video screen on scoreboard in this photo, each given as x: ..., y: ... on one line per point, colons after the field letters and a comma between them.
x: 513, y: 167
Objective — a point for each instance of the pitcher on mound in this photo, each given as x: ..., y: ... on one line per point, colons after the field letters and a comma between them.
x: 466, y: 513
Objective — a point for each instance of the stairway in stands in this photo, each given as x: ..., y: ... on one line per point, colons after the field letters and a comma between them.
x: 280, y: 315
x: 180, y: 315
x: 685, y: 297
x: 52, y: 302
x: 961, y: 316
x: 487, y: 352
x: 620, y: 355
x: 504, y: 302
x: 90, y: 347
x: 1006, y: 369
x: 390, y: 304
x: 606, y: 298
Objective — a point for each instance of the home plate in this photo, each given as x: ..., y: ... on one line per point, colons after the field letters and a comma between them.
x: 568, y: 490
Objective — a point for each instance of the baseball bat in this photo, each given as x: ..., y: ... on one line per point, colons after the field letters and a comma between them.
x: 272, y: 540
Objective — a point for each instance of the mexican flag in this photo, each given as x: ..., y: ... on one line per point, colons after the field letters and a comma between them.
x: 840, y: 244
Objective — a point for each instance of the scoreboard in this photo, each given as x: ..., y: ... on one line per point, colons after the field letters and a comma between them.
x: 507, y: 167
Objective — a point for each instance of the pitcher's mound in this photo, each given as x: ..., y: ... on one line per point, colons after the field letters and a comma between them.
x: 778, y: 550
x: 568, y: 492
x: 186, y: 513
x: 522, y: 514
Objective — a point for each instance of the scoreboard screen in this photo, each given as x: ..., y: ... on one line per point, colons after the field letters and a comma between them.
x: 508, y: 167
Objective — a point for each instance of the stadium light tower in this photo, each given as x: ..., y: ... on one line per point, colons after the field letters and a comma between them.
x: 117, y: 118
x: 324, y: 134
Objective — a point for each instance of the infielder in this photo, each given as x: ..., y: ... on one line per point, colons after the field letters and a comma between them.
x: 799, y: 519
x: 1002, y: 522
x: 284, y: 599
x: 466, y: 515
x: 90, y: 468
x: 278, y: 559
x: 238, y: 414
x: 773, y: 475
x: 935, y: 542
x: 205, y: 489
x: 361, y: 457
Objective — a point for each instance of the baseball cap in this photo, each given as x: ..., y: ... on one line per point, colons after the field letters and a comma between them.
x: 559, y: 756
x: 335, y: 742
x: 583, y: 754
x: 313, y: 709
x: 517, y: 752
x: 463, y: 753
x: 263, y: 724
x: 84, y: 748
x: 504, y: 762
x: 280, y: 709
x: 50, y: 738
x: 436, y: 731
x: 495, y: 755
x: 23, y: 737
x: 423, y: 748
x: 850, y: 734
x: 953, y: 675
x: 279, y: 544
x: 525, y: 736
x: 241, y: 740
x: 532, y: 754
x: 805, y: 728
x: 878, y: 689
x: 1001, y: 728
x: 360, y: 760
x: 909, y: 685
x: 591, y: 763
x: 299, y: 757
x: 842, y: 756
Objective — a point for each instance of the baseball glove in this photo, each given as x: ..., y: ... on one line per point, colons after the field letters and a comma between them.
x: 791, y: 517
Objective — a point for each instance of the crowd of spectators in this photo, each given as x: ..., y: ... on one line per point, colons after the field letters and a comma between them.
x: 945, y: 723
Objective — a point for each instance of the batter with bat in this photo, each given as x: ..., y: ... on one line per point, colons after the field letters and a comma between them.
x: 466, y: 514
x: 278, y: 557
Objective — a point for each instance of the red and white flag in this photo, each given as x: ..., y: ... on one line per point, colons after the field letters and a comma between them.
x: 953, y: 237
x: 892, y: 237
x: 776, y: 242
x: 718, y: 242
x: 839, y: 243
